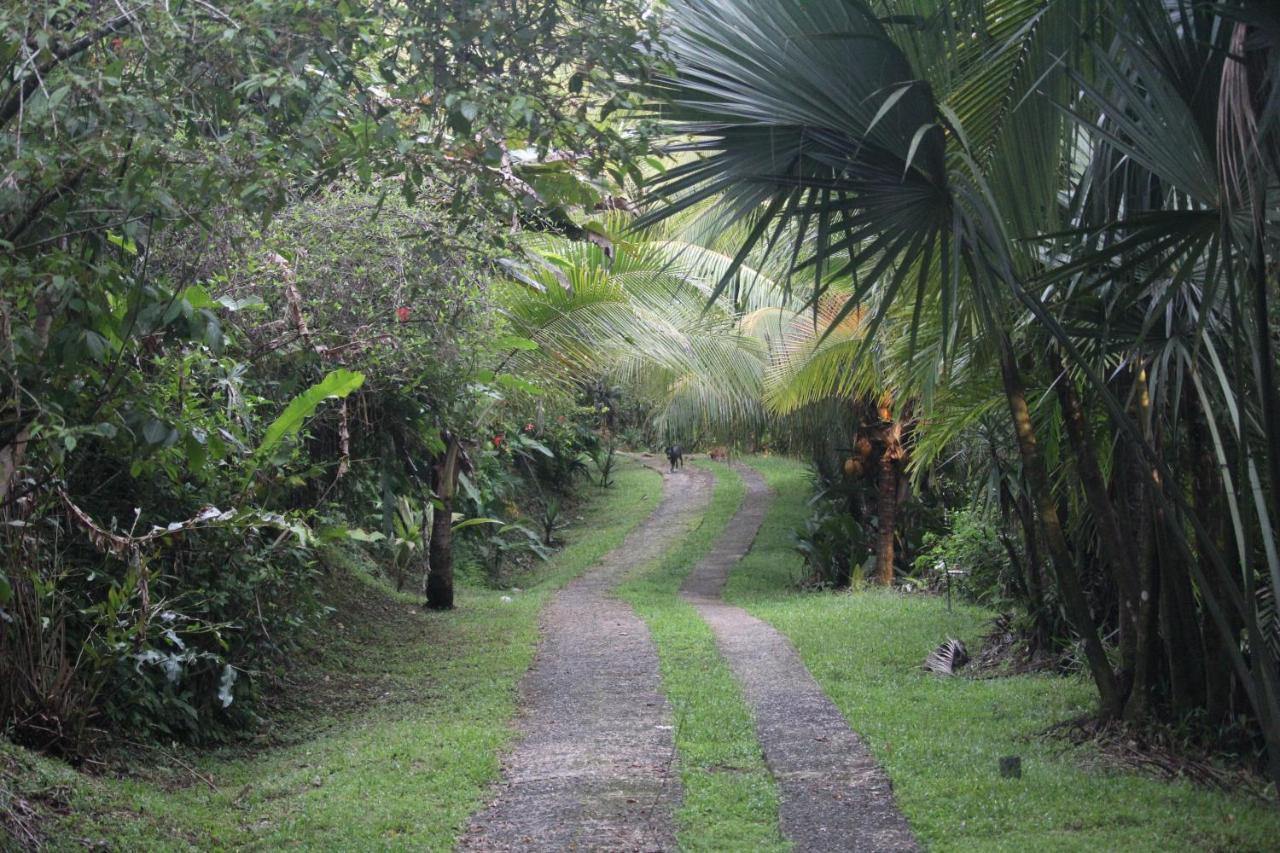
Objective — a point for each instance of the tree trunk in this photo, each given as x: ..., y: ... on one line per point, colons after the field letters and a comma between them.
x: 12, y: 457
x: 1040, y: 616
x: 887, y: 514
x: 1181, y: 631
x: 444, y: 481
x: 13, y: 454
x: 1206, y: 489
x: 1145, y: 638
x: 1031, y: 573
x: 890, y: 440
x: 1070, y: 590
x: 1115, y: 550
x: 440, y: 578
x: 1181, y: 624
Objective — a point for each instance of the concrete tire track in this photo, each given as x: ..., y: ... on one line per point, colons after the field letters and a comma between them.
x: 834, y: 796
x: 594, y: 766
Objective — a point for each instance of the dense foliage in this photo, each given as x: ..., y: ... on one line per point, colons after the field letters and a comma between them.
x: 165, y: 343
x: 964, y: 268
x: 280, y: 275
x: 1063, y: 210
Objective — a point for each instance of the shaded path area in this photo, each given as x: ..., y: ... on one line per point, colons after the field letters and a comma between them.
x: 594, y: 767
x: 834, y: 795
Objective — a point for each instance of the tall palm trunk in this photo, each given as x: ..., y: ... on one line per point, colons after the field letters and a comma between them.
x: 1133, y: 481
x: 1115, y: 548
x: 1070, y: 589
x: 887, y: 493
x: 1117, y: 551
x: 1207, y: 491
x: 1041, y: 618
x: 1183, y: 643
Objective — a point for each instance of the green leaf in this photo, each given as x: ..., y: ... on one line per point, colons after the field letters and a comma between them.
x: 198, y: 297
x: 248, y: 303
x: 515, y: 342
x: 127, y: 245
x: 888, y: 105
x: 336, y: 532
x: 96, y: 344
x: 473, y: 522
x: 197, y: 455
x: 538, y: 446
x: 337, y: 384
x: 515, y: 383
x: 469, y: 487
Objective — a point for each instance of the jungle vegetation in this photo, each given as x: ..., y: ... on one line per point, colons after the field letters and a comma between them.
x: 281, y: 278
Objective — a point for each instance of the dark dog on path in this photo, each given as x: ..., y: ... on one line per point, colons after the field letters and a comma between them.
x: 675, y: 456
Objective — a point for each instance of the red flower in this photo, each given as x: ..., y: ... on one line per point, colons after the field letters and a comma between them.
x: 497, y: 440
x: 402, y: 313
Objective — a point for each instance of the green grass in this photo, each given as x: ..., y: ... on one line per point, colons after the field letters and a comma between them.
x: 404, y: 717
x: 730, y: 800
x: 940, y: 739
x: 398, y: 724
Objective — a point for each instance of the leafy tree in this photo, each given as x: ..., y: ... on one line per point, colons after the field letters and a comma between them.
x: 124, y: 124
x: 146, y: 147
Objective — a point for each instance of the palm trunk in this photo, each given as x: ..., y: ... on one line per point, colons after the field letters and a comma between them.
x: 1145, y: 636
x: 887, y: 510
x: 1040, y: 615
x: 1206, y: 489
x: 1030, y: 573
x: 1181, y: 631
x: 887, y: 497
x: 887, y: 513
x: 1070, y: 590
x: 440, y: 578
x: 1119, y: 557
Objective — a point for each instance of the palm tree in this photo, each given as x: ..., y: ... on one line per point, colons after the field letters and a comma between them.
x: 639, y: 318
x: 835, y: 132
x: 927, y: 156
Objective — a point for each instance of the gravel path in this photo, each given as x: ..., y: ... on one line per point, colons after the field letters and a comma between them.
x: 594, y: 768
x: 834, y: 795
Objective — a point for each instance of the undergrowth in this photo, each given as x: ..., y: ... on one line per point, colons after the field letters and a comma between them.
x: 387, y: 739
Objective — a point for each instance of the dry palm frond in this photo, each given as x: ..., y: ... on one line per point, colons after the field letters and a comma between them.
x: 947, y: 658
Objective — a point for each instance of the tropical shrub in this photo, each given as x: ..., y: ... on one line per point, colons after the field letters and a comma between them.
x: 835, y: 545
x: 972, y: 545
